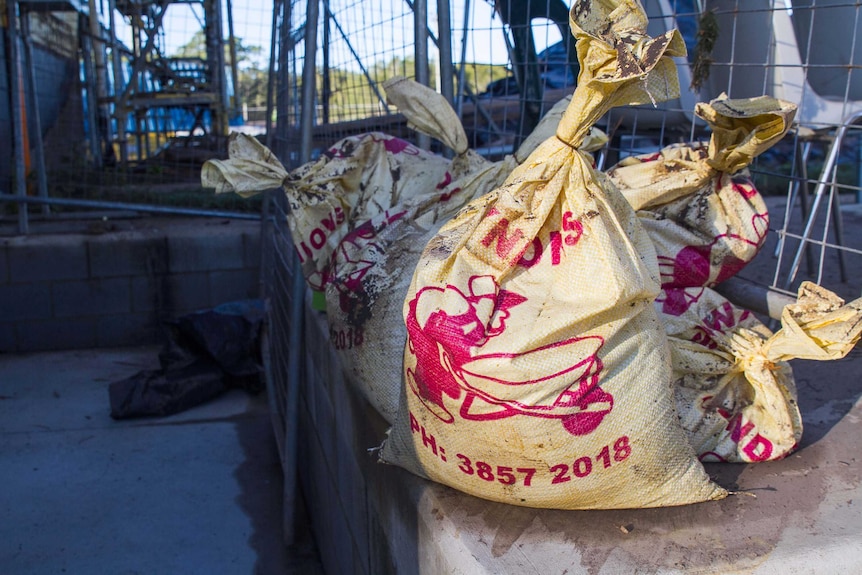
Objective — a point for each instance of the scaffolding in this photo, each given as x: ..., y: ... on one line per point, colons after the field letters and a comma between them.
x: 136, y: 101
x: 156, y: 84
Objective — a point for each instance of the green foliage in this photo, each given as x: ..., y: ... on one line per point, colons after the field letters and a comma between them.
x: 252, y: 86
x: 351, y: 96
x: 707, y: 34
x: 246, y: 56
x: 195, y: 48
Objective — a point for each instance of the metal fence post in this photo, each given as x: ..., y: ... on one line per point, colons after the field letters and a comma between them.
x: 309, y: 81
x: 420, y: 54
x: 16, y: 97
x: 30, y: 81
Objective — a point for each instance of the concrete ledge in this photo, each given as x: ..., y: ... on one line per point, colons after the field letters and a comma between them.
x: 799, y: 515
x: 113, y: 288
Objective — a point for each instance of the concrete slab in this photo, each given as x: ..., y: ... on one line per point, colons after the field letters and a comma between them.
x: 801, y: 515
x: 198, y: 492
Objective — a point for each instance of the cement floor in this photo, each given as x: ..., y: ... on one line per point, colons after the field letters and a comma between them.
x: 197, y: 492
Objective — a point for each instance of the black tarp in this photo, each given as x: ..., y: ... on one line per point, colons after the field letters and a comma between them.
x: 205, y: 354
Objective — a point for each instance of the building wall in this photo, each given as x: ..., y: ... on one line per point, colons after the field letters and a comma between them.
x: 55, y: 64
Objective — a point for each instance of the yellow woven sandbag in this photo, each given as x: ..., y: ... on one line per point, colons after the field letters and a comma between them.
x: 357, y: 179
x: 697, y: 201
x: 251, y: 168
x: 735, y: 392
x: 536, y: 370
x: 372, y: 267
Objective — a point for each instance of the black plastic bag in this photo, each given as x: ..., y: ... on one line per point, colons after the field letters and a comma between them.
x: 206, y: 353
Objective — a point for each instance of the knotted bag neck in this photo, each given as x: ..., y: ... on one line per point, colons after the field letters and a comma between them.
x: 742, y: 129
x: 620, y: 64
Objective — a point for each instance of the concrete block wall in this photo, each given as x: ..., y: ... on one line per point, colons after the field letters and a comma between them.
x: 370, y: 518
x: 362, y: 512
x: 72, y: 291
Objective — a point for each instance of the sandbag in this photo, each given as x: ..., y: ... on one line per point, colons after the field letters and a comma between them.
x: 340, y: 206
x: 734, y: 387
x: 536, y: 370
x: 697, y: 201
x: 355, y: 180
x: 372, y: 268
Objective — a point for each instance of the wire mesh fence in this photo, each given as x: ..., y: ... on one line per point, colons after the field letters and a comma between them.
x: 123, y: 100
x: 282, y: 288
x: 516, y: 60
x: 127, y: 104
x: 806, y: 52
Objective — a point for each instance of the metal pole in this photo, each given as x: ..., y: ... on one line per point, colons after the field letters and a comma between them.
x: 309, y: 81
x: 147, y: 208
x: 295, y: 354
x: 215, y: 65
x: 444, y: 49
x: 420, y: 54
x: 283, y: 97
x: 271, y: 76
x: 120, y: 114
x: 444, y: 43
x: 92, y: 98
x: 234, y: 72
x: 297, y: 301
x: 41, y: 173
x: 459, y: 101
x: 420, y: 48
x: 431, y: 35
x: 103, y: 114
x: 327, y: 83
x: 17, y: 113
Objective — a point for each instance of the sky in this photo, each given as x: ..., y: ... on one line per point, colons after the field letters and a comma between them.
x: 372, y: 26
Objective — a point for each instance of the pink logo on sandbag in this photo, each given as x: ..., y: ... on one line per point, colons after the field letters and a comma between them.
x: 391, y: 144
x: 446, y: 196
x: 396, y: 145
x: 720, y: 320
x: 744, y: 187
x: 754, y: 446
x: 692, y: 266
x: 447, y: 332
x: 356, y: 252
x: 676, y: 301
x: 710, y: 264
